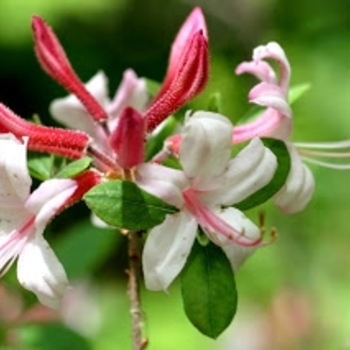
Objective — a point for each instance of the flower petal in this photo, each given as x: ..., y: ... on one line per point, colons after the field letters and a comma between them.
x: 274, y: 51
x: 132, y: 92
x: 48, y: 199
x: 299, y: 187
x: 237, y: 254
x: 72, y: 113
x: 260, y: 69
x: 39, y: 271
x: 15, y: 181
x: 206, y: 147
x: 249, y: 171
x: 164, y: 183
x: 166, y: 250
x: 269, y: 95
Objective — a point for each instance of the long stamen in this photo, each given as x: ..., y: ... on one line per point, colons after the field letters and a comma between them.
x: 338, y: 149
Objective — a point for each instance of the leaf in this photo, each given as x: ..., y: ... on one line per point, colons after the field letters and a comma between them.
x: 209, y: 290
x: 40, y: 165
x: 297, y: 91
x: 74, y: 168
x: 123, y: 204
x: 215, y: 103
x: 280, y: 150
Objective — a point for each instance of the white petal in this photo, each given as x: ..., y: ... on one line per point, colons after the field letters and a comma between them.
x: 70, y: 112
x: 15, y: 181
x: 250, y: 170
x: 132, y: 92
x: 206, y: 147
x: 235, y: 253
x: 166, y: 250
x: 299, y: 187
x: 164, y: 183
x: 39, y: 271
x: 48, y: 198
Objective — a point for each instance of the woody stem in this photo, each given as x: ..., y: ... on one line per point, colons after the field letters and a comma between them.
x: 134, y: 252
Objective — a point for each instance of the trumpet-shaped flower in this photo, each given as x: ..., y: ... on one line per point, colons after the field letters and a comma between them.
x: 209, y: 181
x: 23, y: 217
x: 276, y: 121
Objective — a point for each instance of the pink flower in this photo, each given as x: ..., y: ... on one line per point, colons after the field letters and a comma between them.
x: 276, y: 121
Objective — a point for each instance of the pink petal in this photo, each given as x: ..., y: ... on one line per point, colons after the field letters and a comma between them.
x: 274, y: 51
x: 260, y: 69
x: 269, y: 95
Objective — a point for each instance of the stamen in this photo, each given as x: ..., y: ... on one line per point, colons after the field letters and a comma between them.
x: 339, y: 149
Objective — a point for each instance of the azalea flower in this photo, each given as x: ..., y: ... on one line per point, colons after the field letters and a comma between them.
x: 89, y: 108
x: 24, y: 216
x: 276, y: 121
x: 203, y: 191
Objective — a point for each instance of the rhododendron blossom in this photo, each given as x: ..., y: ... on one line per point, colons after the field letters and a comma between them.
x: 209, y: 181
x: 24, y: 216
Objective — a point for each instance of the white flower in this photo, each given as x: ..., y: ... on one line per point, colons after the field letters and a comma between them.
x: 23, y: 217
x: 210, y: 180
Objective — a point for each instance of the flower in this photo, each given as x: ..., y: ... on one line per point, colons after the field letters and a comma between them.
x: 209, y: 181
x: 276, y: 121
x: 186, y: 76
x: 23, y: 217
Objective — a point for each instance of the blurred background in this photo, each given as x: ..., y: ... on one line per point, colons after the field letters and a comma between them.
x: 293, y: 294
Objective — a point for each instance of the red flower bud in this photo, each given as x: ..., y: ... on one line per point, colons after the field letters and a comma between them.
x: 54, y: 61
x: 127, y: 140
x: 188, y: 70
x: 68, y: 143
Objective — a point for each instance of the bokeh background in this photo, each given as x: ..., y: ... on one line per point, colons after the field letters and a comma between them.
x: 293, y: 294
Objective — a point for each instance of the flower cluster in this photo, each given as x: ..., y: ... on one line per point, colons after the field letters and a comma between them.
x: 205, y: 192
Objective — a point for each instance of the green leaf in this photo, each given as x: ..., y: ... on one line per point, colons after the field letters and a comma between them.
x: 209, y: 290
x: 280, y: 150
x: 74, y: 168
x: 123, y: 204
x: 40, y: 165
x: 215, y: 103
x: 297, y: 91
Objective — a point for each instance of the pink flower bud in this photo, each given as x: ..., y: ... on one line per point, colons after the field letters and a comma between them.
x: 54, y: 61
x: 127, y: 140
x: 188, y: 70
x: 68, y: 143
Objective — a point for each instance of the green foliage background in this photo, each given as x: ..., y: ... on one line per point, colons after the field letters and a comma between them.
x: 293, y: 294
